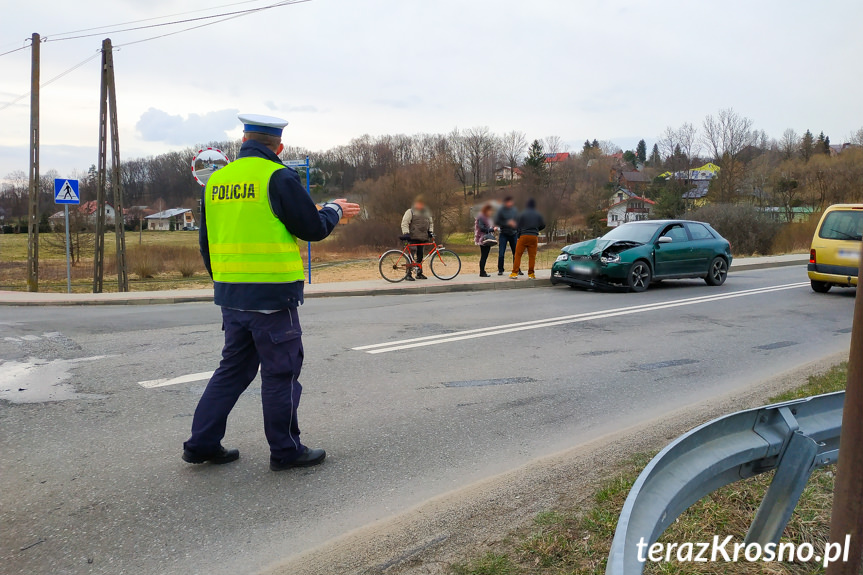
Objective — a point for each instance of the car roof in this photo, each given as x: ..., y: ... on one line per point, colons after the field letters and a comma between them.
x: 663, y: 222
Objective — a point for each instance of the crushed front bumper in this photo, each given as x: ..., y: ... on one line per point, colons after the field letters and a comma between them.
x: 564, y: 275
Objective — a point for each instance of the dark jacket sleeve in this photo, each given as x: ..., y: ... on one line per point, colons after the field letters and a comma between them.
x: 541, y: 222
x: 499, y: 219
x: 294, y: 208
x: 202, y: 239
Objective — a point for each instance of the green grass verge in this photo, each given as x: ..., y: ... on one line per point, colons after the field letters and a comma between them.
x: 576, y: 541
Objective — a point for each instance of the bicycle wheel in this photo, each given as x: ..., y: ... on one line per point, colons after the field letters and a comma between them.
x: 445, y: 264
x: 394, y: 266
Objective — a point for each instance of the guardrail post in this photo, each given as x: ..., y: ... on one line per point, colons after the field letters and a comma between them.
x: 788, y: 483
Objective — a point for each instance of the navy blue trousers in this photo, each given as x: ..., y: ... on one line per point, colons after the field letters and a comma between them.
x: 274, y: 343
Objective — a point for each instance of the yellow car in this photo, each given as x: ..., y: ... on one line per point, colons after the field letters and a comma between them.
x: 834, y: 259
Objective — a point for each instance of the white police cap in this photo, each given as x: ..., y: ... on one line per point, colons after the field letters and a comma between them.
x: 262, y: 124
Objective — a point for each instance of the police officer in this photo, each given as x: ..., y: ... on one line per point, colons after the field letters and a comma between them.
x: 252, y: 214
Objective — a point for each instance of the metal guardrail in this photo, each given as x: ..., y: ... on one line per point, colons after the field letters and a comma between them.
x: 794, y: 438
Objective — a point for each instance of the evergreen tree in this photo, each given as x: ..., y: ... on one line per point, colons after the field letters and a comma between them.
x: 595, y: 144
x: 655, y: 158
x: 641, y: 151
x: 819, y: 144
x: 807, y: 145
x: 535, y: 157
x: 630, y: 156
x: 823, y: 144
x: 586, y: 148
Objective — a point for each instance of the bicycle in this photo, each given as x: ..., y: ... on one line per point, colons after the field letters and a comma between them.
x: 395, y: 265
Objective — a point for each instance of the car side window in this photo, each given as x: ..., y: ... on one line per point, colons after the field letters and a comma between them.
x: 699, y: 232
x: 676, y: 233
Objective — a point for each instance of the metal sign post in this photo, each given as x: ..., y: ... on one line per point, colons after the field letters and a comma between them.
x: 307, y: 165
x: 66, y: 194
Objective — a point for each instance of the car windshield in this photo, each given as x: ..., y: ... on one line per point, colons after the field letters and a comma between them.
x: 843, y: 225
x: 641, y: 233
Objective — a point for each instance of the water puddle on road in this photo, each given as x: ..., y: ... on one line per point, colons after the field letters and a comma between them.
x: 39, y: 380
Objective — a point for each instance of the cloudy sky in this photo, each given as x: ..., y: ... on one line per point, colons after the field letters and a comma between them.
x: 337, y: 69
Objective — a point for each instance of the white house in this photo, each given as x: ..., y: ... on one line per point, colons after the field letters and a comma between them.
x: 87, y: 210
x: 629, y: 209
x: 506, y: 173
x: 182, y: 217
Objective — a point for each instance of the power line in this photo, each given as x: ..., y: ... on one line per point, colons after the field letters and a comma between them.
x: 15, y: 50
x: 151, y: 19
x: 238, y: 15
x: 51, y: 81
x: 185, y: 21
x: 222, y: 18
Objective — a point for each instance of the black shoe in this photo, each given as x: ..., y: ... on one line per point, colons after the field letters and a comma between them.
x: 521, y: 273
x: 484, y: 275
x: 216, y: 457
x: 409, y: 278
x: 421, y: 276
x: 500, y: 273
x: 307, y: 458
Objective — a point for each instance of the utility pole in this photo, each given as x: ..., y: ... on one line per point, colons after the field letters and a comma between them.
x: 108, y: 115
x: 33, y: 210
x: 847, y: 516
x: 119, y: 216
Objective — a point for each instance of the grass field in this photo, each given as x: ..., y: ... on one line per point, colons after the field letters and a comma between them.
x: 162, y: 255
x: 577, y: 540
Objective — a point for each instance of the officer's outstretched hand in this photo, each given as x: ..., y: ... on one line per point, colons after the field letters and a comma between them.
x: 349, y: 209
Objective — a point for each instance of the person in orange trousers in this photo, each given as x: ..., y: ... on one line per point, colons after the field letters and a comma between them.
x: 530, y: 223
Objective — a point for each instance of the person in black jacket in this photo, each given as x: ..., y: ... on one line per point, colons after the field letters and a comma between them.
x: 506, y: 220
x: 530, y: 223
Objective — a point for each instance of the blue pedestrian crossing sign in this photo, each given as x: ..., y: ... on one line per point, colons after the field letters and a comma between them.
x: 66, y: 192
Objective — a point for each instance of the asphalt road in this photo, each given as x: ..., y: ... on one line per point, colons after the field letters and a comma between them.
x: 93, y: 482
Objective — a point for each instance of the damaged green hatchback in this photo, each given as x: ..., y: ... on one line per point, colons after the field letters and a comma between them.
x: 633, y: 255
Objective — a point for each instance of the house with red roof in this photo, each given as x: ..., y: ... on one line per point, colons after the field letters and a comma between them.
x: 507, y: 173
x: 87, y: 211
x: 556, y: 158
x: 629, y: 207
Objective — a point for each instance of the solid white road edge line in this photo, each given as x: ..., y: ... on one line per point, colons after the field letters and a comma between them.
x: 550, y: 322
x: 576, y: 316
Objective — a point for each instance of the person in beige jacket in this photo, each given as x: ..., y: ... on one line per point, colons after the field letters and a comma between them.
x: 418, y: 227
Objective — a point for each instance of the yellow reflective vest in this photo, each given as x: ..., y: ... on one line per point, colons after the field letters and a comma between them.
x: 248, y: 243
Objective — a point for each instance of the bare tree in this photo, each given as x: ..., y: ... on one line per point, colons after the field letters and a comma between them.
x: 480, y: 144
x: 459, y: 157
x: 513, y: 145
x: 726, y: 136
x: 687, y: 139
x: 789, y: 144
x: 555, y: 145
x: 668, y: 142
x: 609, y: 148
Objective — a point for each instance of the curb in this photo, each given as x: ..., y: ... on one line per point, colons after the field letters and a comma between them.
x: 387, y: 291
x: 435, y: 289
x: 768, y: 265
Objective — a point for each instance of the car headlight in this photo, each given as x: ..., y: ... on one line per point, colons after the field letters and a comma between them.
x: 610, y: 259
x: 562, y: 258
